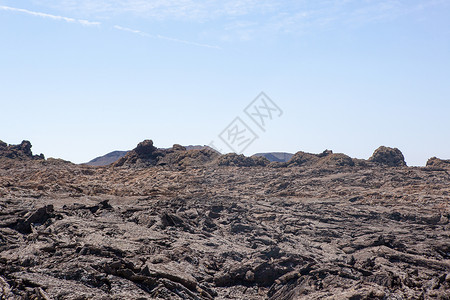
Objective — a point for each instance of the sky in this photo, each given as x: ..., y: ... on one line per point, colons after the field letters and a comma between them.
x: 82, y: 78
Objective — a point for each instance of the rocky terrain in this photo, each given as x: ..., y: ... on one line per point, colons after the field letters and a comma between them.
x: 193, y: 224
x: 112, y: 157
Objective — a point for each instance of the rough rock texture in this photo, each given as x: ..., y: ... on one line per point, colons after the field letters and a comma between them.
x: 435, y: 162
x: 337, y: 159
x: 21, y: 151
x: 391, y: 157
x: 221, y: 232
x: 144, y: 155
x: 114, y: 156
x: 326, y: 158
x: 147, y: 155
x: 178, y: 156
x: 233, y: 159
x: 303, y: 159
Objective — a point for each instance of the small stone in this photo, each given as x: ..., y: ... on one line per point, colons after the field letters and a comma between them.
x: 249, y: 276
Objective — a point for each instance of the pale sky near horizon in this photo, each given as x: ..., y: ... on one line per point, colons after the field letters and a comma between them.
x: 82, y: 78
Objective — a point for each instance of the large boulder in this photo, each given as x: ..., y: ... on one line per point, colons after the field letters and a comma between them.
x: 387, y: 156
x: 144, y: 155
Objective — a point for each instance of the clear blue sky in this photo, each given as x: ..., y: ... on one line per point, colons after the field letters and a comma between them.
x: 82, y: 78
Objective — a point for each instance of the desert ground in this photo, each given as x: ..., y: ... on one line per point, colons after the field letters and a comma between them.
x: 178, y: 224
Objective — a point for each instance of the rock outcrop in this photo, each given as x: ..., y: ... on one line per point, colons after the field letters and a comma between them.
x: 336, y: 160
x: 144, y: 155
x: 326, y: 158
x: 179, y: 156
x: 147, y: 155
x: 303, y: 159
x: 233, y: 159
x: 435, y: 162
x: 386, y: 156
x: 20, y: 152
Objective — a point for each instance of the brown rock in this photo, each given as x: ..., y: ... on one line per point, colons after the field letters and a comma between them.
x: 19, y: 152
x: 435, y: 162
x: 386, y: 156
x: 233, y: 159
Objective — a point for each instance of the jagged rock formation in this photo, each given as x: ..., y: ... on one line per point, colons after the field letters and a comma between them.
x: 386, y: 156
x: 326, y: 158
x: 435, y: 162
x: 114, y: 156
x: 144, y: 155
x: 179, y: 156
x: 147, y: 155
x: 21, y: 151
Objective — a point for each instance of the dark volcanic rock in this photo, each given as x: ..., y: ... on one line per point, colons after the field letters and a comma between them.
x: 435, y: 162
x: 114, y: 156
x: 147, y: 155
x: 303, y: 159
x: 145, y: 150
x: 391, y: 157
x: 325, y: 153
x: 336, y: 159
x: 189, y: 228
x: 223, y: 232
x: 178, y: 156
x: 233, y: 159
x: 40, y: 216
x: 144, y: 155
x: 326, y: 158
x: 21, y: 151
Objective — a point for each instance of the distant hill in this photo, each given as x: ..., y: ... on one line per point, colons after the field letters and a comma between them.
x: 107, y: 158
x: 276, y: 156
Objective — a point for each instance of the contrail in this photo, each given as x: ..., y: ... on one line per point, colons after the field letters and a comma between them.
x: 161, y: 37
x: 49, y: 16
x: 132, y: 31
x: 90, y: 23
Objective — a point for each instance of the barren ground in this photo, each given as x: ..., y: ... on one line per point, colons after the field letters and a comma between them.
x: 78, y: 232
